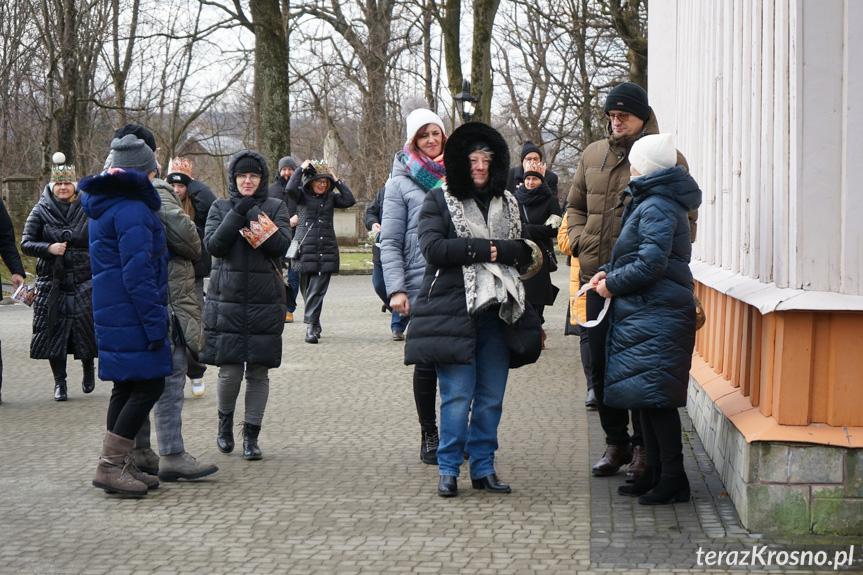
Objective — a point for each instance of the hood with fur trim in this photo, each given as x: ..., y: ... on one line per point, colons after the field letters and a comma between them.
x: 457, y: 165
x: 98, y: 193
x: 261, y: 192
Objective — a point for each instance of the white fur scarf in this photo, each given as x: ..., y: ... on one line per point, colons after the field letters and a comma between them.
x: 487, y: 284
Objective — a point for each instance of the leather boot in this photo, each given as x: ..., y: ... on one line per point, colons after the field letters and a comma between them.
x: 428, y: 448
x: 112, y: 473
x: 182, y: 465
x: 636, y: 468
x: 590, y: 402
x: 613, y: 459
x: 60, y: 390
x: 146, y: 460
x: 251, y: 451
x: 671, y: 488
x: 148, y: 479
x: 225, y: 437
x: 311, y: 337
x: 318, y: 330
x: 447, y: 486
x: 646, y: 481
x: 88, y: 384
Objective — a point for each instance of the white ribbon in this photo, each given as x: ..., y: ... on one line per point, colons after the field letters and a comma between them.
x: 593, y: 322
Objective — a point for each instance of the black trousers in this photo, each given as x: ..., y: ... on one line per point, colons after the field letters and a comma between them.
x: 615, y: 422
x: 58, y: 367
x: 130, y: 405
x: 314, y: 287
x: 663, y: 443
x: 425, y: 393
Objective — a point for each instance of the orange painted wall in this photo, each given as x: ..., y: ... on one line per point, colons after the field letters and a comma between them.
x: 799, y: 367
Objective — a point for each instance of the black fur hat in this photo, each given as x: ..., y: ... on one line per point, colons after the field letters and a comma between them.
x: 455, y: 158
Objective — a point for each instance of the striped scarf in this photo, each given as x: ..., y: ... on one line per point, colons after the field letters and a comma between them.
x: 424, y: 171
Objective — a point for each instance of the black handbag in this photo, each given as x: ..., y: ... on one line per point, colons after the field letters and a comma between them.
x: 290, y: 296
x: 524, y: 338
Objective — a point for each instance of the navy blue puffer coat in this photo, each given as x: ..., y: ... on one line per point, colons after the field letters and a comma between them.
x: 129, y: 259
x: 652, y: 331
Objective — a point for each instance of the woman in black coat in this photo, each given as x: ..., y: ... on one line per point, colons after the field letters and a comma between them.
x: 244, y: 314
x: 318, y: 256
x: 56, y: 232
x: 470, y: 299
x: 538, y: 204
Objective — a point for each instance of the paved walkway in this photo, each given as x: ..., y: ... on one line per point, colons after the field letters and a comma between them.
x: 341, y: 488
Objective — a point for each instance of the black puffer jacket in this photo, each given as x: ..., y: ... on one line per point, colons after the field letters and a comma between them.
x: 441, y: 331
x: 202, y: 198
x: 516, y: 179
x: 244, y: 314
x: 320, y: 249
x: 63, y: 310
x: 537, y: 205
x: 8, y: 251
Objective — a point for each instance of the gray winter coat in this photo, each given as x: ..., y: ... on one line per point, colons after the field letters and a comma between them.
x: 402, y: 261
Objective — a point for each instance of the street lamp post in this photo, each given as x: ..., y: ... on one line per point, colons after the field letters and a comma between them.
x: 466, y: 101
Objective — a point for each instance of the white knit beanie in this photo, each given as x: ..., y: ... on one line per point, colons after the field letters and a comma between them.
x: 653, y: 153
x: 419, y: 118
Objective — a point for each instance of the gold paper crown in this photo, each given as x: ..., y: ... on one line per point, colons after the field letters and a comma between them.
x: 63, y: 174
x: 320, y: 167
x: 26, y: 294
x: 259, y: 231
x: 181, y: 166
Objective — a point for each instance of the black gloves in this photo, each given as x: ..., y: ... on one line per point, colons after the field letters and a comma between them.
x: 243, y: 206
x: 156, y: 345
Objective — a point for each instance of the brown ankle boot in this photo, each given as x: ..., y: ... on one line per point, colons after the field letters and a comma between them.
x: 615, y: 457
x: 636, y: 468
x: 112, y: 473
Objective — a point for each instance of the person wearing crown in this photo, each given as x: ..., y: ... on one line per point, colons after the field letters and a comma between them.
x: 244, y: 314
x: 196, y: 199
x: 318, y: 256
x: 56, y: 232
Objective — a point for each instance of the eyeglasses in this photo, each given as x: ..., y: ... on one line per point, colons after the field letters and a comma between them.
x: 621, y: 117
x: 252, y: 177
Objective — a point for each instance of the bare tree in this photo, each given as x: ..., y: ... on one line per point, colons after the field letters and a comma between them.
x: 629, y: 18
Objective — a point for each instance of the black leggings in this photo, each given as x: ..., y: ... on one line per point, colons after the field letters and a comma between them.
x: 58, y: 366
x: 425, y: 393
x: 663, y: 443
x: 130, y: 405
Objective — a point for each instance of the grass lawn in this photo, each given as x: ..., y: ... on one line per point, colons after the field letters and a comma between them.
x: 355, y: 260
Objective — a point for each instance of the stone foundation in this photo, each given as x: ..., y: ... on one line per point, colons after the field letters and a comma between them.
x: 782, y: 487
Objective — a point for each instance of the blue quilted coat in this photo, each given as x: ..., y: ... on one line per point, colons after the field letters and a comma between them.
x: 652, y: 331
x: 129, y: 259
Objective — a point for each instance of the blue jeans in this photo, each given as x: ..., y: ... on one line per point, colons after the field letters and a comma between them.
x: 294, y: 280
x: 472, y: 402
x: 399, y: 322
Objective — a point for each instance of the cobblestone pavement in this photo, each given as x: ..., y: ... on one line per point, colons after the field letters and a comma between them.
x: 341, y: 488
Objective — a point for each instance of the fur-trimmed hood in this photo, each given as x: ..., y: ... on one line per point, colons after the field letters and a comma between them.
x: 457, y: 165
x: 100, y: 192
x: 261, y: 192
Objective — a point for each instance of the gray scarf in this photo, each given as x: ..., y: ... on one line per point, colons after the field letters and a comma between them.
x: 488, y: 284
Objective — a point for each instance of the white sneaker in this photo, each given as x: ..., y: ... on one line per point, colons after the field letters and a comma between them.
x: 198, y: 387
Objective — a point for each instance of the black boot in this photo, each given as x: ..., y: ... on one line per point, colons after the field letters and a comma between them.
x: 645, y: 482
x: 318, y: 330
x: 311, y: 337
x: 250, y: 442
x: 428, y: 448
x: 225, y: 438
x: 60, y: 390
x: 58, y: 368
x: 671, y: 488
x: 88, y: 384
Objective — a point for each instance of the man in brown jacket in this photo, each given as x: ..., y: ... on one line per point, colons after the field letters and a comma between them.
x: 593, y: 224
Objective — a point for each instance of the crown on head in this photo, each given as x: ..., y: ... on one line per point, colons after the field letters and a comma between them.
x: 181, y: 166
x: 63, y: 174
x: 320, y: 167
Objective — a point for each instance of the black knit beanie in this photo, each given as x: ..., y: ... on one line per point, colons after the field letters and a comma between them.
x: 628, y: 97
x: 529, y: 147
x: 139, y: 132
x: 248, y: 165
x: 535, y: 175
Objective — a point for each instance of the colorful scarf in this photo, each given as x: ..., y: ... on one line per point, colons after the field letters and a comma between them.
x: 424, y: 171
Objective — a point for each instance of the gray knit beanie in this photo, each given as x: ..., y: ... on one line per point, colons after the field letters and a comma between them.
x: 287, y: 162
x: 131, y: 153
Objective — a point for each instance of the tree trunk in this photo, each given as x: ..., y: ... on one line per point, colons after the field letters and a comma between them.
x: 67, y: 115
x: 272, y: 88
x: 451, y: 29
x: 484, y: 12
